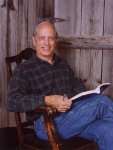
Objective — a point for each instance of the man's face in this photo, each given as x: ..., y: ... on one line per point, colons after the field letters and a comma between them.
x: 45, y: 40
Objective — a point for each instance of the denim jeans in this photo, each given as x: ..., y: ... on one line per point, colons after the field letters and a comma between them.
x: 91, y: 118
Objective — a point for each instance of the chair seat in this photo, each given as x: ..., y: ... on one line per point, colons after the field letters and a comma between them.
x: 30, y: 138
x: 8, y: 141
x: 75, y: 143
x: 8, y: 138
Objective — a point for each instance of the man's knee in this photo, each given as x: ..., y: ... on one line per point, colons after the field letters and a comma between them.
x: 100, y: 129
x: 99, y: 98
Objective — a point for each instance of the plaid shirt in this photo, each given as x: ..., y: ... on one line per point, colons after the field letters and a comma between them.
x: 34, y: 79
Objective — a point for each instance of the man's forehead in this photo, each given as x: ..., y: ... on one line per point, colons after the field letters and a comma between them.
x: 45, y: 25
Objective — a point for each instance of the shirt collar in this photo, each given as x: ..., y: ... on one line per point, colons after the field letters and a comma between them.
x: 56, y: 59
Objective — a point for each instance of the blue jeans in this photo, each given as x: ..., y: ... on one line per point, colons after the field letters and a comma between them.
x: 90, y: 118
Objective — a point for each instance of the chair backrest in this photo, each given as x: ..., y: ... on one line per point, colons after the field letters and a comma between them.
x: 17, y: 59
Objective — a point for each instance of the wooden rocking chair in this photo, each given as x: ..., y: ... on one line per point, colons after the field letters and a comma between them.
x: 26, y: 136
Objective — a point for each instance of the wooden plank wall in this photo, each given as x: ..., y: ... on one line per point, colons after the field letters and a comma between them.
x: 87, y: 18
x: 16, y: 28
x: 83, y: 18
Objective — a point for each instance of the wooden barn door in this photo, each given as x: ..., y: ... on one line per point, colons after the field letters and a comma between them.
x: 87, y: 18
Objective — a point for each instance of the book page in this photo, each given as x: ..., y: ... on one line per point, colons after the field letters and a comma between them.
x: 97, y: 90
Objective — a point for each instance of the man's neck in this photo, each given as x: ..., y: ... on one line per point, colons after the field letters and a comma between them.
x: 47, y: 59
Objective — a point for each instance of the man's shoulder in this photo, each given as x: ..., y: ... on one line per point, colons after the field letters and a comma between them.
x: 63, y: 62
x: 26, y: 63
x: 25, y: 66
x: 60, y: 60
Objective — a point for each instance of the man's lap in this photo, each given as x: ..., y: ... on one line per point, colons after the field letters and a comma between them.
x: 74, y: 121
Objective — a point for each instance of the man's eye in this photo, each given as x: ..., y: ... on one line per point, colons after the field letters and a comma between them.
x: 52, y: 38
x: 41, y: 38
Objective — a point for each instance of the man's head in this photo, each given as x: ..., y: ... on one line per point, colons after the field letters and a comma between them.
x: 44, y: 40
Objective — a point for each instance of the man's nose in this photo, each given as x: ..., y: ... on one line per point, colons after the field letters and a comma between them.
x: 46, y: 40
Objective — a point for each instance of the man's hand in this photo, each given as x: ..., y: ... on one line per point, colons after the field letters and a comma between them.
x: 58, y: 102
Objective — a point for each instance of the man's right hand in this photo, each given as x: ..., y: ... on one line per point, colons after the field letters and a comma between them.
x: 58, y: 102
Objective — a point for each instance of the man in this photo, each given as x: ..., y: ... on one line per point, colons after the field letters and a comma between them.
x: 45, y: 79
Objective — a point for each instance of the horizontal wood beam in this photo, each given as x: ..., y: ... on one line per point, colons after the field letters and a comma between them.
x: 86, y: 42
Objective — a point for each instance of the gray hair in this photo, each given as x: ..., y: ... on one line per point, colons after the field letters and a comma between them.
x: 50, y: 20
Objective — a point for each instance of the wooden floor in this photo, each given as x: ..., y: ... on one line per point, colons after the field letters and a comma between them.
x: 8, y: 139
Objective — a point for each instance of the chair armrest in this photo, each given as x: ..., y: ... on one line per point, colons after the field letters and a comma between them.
x: 49, y: 114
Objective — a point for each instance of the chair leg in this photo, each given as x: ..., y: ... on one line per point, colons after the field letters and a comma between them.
x: 53, y: 139
x: 19, y: 147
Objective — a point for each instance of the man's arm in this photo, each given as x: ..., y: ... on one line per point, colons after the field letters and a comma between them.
x: 19, y: 97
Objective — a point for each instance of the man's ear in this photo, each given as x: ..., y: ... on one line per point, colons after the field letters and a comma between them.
x: 34, y: 41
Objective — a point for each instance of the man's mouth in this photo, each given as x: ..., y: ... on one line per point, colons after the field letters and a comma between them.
x: 45, y: 48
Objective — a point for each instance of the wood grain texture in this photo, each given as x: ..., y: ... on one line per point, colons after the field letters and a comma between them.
x: 92, y: 17
x: 108, y: 17
x: 93, y: 63
x: 87, y: 61
x: 107, y: 67
x: 16, y: 27
x: 92, y: 24
x: 32, y: 17
x: 71, y: 12
x: 86, y: 42
x: 3, y: 52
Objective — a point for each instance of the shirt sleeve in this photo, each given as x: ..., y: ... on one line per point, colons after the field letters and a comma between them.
x: 19, y: 98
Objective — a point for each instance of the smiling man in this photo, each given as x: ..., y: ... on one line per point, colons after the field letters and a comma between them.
x: 44, y: 40
x: 44, y: 79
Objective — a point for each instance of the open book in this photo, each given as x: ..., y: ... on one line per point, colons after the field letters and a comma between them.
x: 98, y: 90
